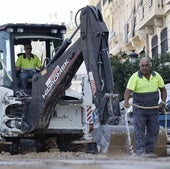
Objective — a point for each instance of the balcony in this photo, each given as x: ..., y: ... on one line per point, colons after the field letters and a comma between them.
x: 150, y: 13
x: 115, y: 40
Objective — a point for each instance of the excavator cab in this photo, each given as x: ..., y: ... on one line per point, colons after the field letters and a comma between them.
x: 45, y: 43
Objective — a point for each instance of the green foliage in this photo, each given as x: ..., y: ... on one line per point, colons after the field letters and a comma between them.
x: 122, y: 69
x: 161, y: 64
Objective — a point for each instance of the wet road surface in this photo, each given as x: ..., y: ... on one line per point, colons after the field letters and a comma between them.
x: 79, y: 160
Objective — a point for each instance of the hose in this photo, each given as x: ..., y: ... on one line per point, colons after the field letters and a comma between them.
x: 152, y: 107
x: 166, y: 118
x: 142, y: 107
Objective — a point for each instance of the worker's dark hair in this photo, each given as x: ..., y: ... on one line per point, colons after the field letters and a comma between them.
x: 25, y: 44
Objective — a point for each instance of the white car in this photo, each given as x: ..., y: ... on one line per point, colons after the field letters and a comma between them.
x: 163, y: 116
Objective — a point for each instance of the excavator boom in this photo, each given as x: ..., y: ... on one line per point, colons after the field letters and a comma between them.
x: 49, y: 85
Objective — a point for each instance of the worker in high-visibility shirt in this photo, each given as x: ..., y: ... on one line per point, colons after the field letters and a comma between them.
x: 145, y: 85
x: 27, y: 64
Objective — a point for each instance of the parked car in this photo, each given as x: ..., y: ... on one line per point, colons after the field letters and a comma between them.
x: 166, y: 115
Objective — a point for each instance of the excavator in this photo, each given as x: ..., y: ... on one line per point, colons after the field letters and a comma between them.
x: 56, y: 115
x: 54, y: 112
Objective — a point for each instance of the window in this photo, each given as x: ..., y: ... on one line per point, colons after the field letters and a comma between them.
x: 5, y: 62
x: 154, y: 46
x: 141, y: 2
x: 141, y: 12
x: 104, y: 1
x: 133, y: 25
x: 164, y: 41
x: 126, y: 33
x: 150, y: 3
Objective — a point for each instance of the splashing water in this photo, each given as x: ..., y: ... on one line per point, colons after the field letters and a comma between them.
x: 128, y: 134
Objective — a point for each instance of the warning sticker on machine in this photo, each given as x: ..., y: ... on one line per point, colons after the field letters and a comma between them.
x: 92, y: 82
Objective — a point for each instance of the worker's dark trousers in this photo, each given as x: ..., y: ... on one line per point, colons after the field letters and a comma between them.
x: 146, y: 130
x: 25, y: 75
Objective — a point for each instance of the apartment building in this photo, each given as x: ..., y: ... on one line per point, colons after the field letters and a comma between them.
x: 139, y: 25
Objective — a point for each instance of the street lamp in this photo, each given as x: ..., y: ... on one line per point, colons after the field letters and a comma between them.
x: 133, y: 56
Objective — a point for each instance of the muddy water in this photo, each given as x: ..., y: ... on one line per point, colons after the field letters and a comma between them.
x: 79, y: 160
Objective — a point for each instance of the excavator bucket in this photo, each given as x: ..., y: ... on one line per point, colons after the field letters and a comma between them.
x: 119, y: 140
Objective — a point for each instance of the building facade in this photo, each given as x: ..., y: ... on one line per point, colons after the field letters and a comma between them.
x: 142, y: 26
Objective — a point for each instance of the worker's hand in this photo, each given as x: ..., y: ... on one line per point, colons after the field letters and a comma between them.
x: 41, y: 68
x: 161, y: 105
x: 18, y: 68
x: 126, y: 104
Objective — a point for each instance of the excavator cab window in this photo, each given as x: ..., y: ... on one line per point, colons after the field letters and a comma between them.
x: 38, y: 49
x: 44, y: 38
x: 5, y: 62
x: 41, y: 47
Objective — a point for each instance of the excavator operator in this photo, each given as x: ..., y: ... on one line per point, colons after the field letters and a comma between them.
x: 27, y: 64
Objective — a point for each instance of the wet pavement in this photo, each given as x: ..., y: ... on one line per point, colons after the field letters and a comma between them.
x: 87, y: 164
x: 80, y: 160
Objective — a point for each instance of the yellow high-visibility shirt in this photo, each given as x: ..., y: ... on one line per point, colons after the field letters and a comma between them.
x: 143, y: 85
x: 25, y: 63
